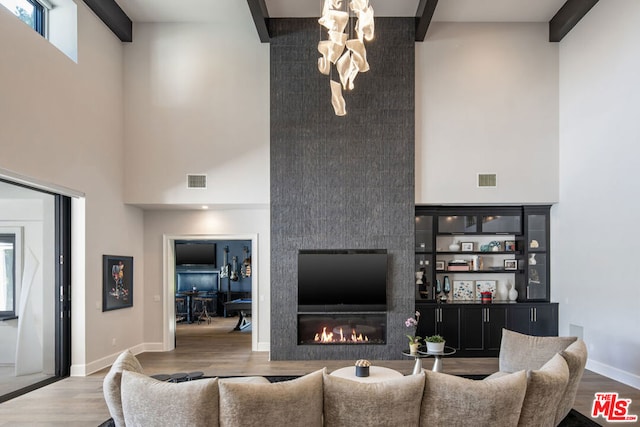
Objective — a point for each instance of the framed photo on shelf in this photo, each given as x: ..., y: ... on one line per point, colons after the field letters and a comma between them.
x: 439, y: 265
x: 467, y: 246
x: 117, y: 282
x: 510, y: 264
x: 510, y: 246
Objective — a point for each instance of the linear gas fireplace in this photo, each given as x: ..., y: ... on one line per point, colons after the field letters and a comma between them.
x: 342, y: 328
x: 342, y: 297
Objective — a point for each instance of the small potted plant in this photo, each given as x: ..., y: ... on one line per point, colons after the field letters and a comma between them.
x: 414, y: 340
x: 435, y: 344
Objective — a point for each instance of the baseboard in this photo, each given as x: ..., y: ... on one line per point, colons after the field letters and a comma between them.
x: 624, y: 377
x: 264, y: 346
x: 104, y: 362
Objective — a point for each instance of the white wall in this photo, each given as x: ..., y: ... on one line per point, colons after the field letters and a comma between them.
x: 487, y: 102
x: 62, y: 123
x: 594, y: 264
x: 197, y: 101
x: 211, y: 222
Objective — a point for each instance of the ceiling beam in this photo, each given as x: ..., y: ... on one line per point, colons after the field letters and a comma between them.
x: 423, y: 18
x: 113, y: 17
x: 260, y: 16
x: 567, y: 17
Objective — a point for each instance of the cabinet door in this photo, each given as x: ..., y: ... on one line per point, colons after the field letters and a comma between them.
x: 495, y: 320
x: 545, y: 320
x: 457, y: 224
x: 473, y: 328
x: 502, y: 224
x: 519, y: 318
x: 427, y: 324
x: 449, y: 325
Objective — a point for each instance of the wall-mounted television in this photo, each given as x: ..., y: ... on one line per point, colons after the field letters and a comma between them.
x: 195, y: 253
x: 342, y: 280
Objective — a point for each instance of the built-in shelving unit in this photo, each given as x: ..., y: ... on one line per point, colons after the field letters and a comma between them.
x: 463, y: 250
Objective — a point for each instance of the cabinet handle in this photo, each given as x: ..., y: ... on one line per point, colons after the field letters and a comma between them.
x: 531, y: 314
x: 487, y: 311
x: 535, y: 314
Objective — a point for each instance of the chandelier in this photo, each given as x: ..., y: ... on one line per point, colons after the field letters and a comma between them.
x: 348, y: 55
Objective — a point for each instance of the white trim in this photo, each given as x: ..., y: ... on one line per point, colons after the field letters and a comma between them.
x: 107, y: 361
x: 36, y: 183
x: 624, y: 377
x: 169, y: 273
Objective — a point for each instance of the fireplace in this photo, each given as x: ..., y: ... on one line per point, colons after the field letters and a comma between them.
x: 342, y: 328
x: 342, y: 297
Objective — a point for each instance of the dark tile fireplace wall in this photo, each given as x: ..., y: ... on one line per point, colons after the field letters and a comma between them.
x: 341, y: 182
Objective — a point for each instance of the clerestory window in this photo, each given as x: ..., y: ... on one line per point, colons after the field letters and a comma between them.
x: 31, y: 12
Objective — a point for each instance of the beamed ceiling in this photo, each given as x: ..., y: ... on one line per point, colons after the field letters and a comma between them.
x: 562, y: 15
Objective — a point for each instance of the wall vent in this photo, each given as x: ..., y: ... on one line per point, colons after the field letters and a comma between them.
x: 196, y: 181
x: 487, y: 180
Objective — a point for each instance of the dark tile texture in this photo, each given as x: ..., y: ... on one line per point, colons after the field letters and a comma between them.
x: 341, y: 182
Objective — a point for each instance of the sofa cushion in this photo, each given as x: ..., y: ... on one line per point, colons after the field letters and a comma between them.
x: 576, y: 358
x: 149, y: 402
x: 126, y: 361
x: 351, y: 403
x: 527, y: 352
x: 545, y: 388
x: 294, y: 402
x: 454, y: 401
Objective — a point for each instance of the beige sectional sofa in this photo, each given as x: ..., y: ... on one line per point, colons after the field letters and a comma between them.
x: 539, y: 392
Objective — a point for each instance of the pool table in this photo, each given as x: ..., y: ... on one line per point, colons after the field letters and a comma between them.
x: 243, y: 307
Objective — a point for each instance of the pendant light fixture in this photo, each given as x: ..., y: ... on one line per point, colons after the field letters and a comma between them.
x: 348, y: 55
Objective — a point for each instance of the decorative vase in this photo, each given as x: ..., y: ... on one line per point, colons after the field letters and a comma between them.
x: 435, y: 347
x: 419, y: 275
x: 446, y: 288
x: 532, y: 259
x: 502, y: 292
x: 454, y: 247
x: 513, y: 293
x: 413, y: 347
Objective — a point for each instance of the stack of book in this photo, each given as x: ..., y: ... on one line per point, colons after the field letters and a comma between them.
x: 458, y: 265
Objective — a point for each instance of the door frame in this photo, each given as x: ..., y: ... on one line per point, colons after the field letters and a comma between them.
x: 169, y: 275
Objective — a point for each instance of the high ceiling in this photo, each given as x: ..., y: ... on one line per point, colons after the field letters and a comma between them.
x: 446, y: 11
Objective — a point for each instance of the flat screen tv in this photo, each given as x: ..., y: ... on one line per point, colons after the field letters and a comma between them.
x: 342, y: 279
x: 196, y: 253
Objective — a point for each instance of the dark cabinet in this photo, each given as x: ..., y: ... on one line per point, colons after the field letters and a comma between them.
x: 440, y: 319
x: 482, y: 328
x: 534, y: 319
x: 475, y: 330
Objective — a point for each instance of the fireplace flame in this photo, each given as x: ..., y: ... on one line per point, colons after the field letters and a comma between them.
x: 328, y: 337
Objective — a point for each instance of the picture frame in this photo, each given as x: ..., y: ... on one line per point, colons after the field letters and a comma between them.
x: 117, y: 282
x: 439, y: 265
x: 510, y: 264
x: 509, y: 246
x: 463, y: 290
x: 485, y: 286
x: 466, y: 246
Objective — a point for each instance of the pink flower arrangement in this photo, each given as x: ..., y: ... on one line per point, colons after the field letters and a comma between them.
x: 412, y: 322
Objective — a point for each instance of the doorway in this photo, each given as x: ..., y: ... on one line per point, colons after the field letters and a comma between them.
x: 170, y: 277
x: 35, y: 323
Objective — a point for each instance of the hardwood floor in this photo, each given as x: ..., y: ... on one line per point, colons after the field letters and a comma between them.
x: 218, y: 350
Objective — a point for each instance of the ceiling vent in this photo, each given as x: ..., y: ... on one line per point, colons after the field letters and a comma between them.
x: 487, y: 180
x: 196, y: 181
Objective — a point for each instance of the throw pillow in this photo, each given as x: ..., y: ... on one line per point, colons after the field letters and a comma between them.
x: 295, y: 402
x: 394, y: 402
x: 454, y: 401
x: 527, y: 352
x: 545, y: 388
x: 149, y: 402
x: 576, y: 358
x: 126, y: 361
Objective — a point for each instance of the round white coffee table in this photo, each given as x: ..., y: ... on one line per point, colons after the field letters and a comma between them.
x: 376, y: 374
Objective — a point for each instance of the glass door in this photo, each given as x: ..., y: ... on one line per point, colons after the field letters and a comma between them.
x: 34, y: 288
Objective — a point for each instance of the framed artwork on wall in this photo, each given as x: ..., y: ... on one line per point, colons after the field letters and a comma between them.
x: 117, y: 282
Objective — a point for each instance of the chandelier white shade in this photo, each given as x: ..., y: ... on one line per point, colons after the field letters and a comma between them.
x: 348, y: 55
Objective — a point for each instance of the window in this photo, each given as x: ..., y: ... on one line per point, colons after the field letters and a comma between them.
x: 7, y: 275
x: 30, y: 12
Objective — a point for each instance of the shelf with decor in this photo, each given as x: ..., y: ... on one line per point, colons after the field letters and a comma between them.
x: 463, y: 252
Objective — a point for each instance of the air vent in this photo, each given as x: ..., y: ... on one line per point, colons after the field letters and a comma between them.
x: 487, y: 180
x: 196, y: 181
